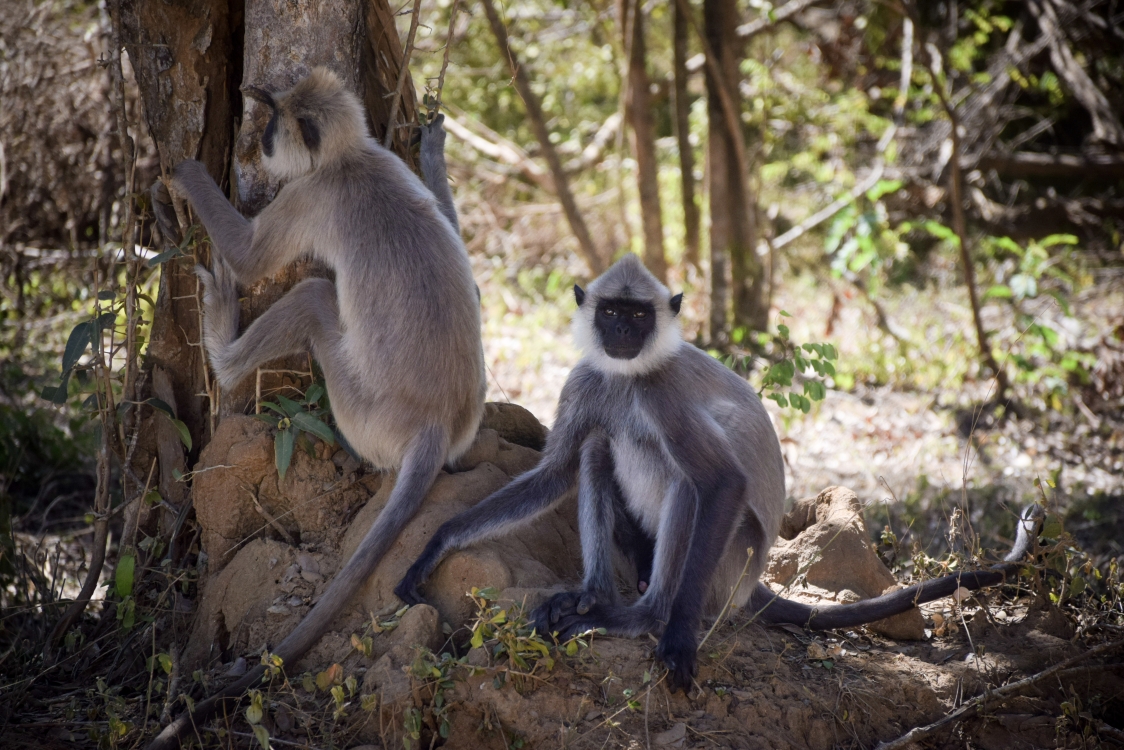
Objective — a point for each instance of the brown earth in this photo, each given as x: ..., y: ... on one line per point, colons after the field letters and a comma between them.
x: 757, y: 687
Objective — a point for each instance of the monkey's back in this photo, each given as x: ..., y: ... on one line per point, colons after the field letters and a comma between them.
x: 408, y: 306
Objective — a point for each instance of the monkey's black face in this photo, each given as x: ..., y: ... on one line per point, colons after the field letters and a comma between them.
x: 624, y: 326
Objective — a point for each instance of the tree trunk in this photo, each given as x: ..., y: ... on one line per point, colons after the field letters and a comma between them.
x: 682, y: 121
x: 733, y: 216
x: 638, y: 113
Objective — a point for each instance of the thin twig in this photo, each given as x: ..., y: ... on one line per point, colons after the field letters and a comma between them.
x: 919, y: 733
x: 445, y: 60
x: 390, y: 123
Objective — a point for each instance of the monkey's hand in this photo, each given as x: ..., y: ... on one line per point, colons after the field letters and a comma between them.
x: 165, y: 213
x: 188, y: 174
x: 678, y: 650
x: 548, y: 616
x: 407, y: 588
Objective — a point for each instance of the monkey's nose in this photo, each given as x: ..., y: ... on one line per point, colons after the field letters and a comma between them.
x: 622, y: 330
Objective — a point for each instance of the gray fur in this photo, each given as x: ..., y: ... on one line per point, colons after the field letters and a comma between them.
x: 433, y: 168
x: 397, y: 334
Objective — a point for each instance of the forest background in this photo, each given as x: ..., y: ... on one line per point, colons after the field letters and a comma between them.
x: 902, y: 222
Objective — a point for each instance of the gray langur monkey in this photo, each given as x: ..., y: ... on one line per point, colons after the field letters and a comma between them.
x: 678, y: 466
x: 397, y: 334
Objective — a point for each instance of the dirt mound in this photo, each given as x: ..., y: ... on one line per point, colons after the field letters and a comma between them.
x: 825, y: 539
x: 272, y: 546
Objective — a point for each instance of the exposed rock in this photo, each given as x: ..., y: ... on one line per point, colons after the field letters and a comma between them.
x: 826, y: 537
x: 515, y: 425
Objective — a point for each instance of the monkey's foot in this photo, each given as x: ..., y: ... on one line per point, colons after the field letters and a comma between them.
x: 432, y: 136
x: 678, y: 650
x: 407, y: 588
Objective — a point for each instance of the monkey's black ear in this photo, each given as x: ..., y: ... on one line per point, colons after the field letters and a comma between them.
x: 260, y: 95
x: 579, y: 294
x: 310, y: 133
x: 676, y: 303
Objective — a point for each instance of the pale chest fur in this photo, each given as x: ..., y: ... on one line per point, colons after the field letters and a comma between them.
x: 641, y: 465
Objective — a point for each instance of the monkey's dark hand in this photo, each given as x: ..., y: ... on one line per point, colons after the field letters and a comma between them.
x: 165, y: 213
x: 407, y: 588
x: 678, y: 650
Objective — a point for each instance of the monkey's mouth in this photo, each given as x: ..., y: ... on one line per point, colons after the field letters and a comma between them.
x: 623, y: 352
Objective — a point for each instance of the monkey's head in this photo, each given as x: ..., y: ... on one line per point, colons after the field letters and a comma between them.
x: 311, y: 124
x: 627, y: 323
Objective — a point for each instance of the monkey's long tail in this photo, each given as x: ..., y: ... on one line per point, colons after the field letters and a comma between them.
x: 423, y: 460
x: 772, y: 608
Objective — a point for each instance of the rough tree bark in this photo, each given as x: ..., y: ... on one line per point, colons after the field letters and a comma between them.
x: 638, y: 113
x: 682, y: 122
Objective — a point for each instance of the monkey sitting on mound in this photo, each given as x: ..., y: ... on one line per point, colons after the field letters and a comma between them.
x: 677, y: 465
x: 398, y: 333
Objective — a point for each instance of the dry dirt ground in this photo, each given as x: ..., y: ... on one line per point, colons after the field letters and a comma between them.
x: 272, y: 546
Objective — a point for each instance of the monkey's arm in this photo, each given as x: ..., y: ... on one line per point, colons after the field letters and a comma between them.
x: 253, y: 249
x: 433, y: 168
x: 771, y: 608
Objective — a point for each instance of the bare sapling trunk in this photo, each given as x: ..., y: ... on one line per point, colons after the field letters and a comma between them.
x: 682, y: 122
x: 638, y: 113
x: 538, y: 125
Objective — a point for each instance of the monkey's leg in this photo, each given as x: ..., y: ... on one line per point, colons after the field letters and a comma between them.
x: 598, y: 498
x: 306, y: 318
x: 424, y: 457
x: 434, y: 170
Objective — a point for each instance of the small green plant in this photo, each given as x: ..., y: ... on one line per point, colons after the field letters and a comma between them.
x: 789, y: 360
x: 295, y: 420
x: 508, y: 634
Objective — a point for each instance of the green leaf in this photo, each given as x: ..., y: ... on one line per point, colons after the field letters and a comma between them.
x: 262, y: 735
x: 999, y: 291
x: 159, y: 405
x: 124, y: 576
x: 1058, y: 239
x: 274, y: 407
x: 882, y: 187
x: 779, y: 398
x: 104, y: 322
x: 163, y: 257
x: 477, y: 638
x: 314, y: 393
x: 783, y: 331
x: 76, y: 345
x: 106, y: 294
x: 309, y: 423
x: 283, y: 451
x: 165, y: 662
x: 941, y: 232
x: 185, y: 434
x: 829, y: 352
x: 291, y: 407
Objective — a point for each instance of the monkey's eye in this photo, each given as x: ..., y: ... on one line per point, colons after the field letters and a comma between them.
x: 610, y: 312
x: 640, y: 314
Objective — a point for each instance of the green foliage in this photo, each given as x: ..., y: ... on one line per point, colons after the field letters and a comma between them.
x: 507, y: 634
x: 295, y: 420
x: 790, y: 361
